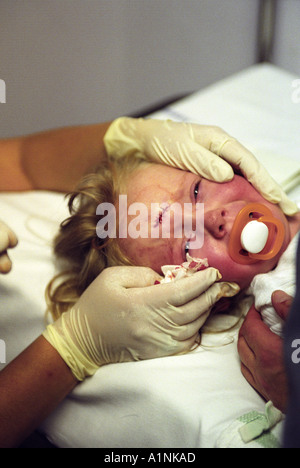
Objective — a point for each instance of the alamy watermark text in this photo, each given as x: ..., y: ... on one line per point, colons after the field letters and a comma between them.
x: 2, y: 92
x: 2, y: 352
x: 164, y: 220
x: 296, y: 92
x: 296, y: 353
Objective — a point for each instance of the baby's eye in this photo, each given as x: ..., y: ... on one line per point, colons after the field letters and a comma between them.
x: 196, y: 190
x: 186, y: 248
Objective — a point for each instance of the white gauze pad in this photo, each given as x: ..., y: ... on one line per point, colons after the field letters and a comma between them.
x: 188, y: 268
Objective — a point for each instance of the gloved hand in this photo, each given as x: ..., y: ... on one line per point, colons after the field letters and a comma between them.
x: 197, y: 148
x: 8, y: 240
x: 124, y: 316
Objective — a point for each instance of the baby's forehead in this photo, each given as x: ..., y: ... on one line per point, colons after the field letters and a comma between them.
x: 155, y: 193
x: 159, y: 184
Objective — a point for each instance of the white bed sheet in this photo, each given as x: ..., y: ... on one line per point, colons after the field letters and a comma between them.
x: 185, y: 401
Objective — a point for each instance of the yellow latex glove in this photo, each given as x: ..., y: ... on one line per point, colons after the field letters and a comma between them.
x: 201, y: 149
x: 123, y: 316
x: 8, y: 240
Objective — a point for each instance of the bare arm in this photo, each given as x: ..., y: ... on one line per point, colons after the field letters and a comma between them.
x: 31, y: 387
x: 52, y: 160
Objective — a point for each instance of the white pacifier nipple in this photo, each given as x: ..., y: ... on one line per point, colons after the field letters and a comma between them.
x: 254, y: 236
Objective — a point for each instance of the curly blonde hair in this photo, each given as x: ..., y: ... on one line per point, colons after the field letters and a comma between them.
x: 77, y: 242
x: 83, y: 254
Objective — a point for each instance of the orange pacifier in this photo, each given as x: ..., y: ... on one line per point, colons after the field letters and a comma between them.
x: 256, y: 235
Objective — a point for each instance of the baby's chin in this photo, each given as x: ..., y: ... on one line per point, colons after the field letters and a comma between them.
x: 233, y: 272
x: 244, y: 274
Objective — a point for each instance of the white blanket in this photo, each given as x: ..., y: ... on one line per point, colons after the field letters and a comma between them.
x: 283, y: 277
x: 196, y: 400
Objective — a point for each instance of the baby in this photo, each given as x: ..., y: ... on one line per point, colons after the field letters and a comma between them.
x: 151, y: 185
x: 222, y: 203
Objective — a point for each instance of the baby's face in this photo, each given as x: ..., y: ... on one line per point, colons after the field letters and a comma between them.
x: 157, y: 184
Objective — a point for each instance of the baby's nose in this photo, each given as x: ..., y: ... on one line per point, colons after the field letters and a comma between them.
x: 214, y: 222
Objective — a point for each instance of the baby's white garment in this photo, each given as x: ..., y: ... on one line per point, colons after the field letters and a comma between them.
x: 283, y: 277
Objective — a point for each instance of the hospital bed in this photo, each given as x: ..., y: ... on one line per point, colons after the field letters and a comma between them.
x: 191, y: 401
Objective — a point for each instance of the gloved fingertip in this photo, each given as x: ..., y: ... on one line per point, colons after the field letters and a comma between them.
x: 4, y: 240
x: 228, y: 174
x: 189, y: 345
x: 5, y: 264
x: 13, y: 240
x: 289, y: 208
x: 211, y: 275
x: 221, y: 172
x: 217, y: 275
x: 229, y: 289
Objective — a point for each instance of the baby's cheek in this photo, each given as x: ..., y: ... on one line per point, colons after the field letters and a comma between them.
x: 147, y: 252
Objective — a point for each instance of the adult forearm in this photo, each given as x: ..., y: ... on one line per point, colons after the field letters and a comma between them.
x: 31, y: 387
x: 51, y: 160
